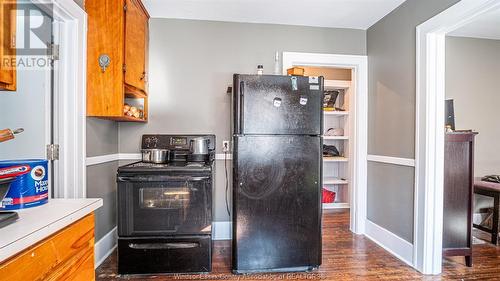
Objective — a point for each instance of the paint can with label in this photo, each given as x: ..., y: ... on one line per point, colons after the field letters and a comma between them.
x: 26, y: 182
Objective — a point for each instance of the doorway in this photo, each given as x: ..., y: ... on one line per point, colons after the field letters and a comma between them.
x: 344, y: 173
x: 28, y: 109
x: 431, y: 77
x: 49, y: 102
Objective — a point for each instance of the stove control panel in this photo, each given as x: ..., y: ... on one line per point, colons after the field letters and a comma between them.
x: 173, y: 142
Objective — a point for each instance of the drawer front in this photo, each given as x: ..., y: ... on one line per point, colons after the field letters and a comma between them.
x: 67, y: 255
x: 165, y: 255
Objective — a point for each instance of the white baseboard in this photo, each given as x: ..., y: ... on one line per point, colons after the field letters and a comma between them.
x: 222, y: 230
x: 104, y: 247
x: 392, y: 243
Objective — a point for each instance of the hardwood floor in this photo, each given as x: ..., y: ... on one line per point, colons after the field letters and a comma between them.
x: 346, y: 256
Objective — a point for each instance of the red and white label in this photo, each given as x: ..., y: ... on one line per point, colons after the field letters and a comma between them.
x: 14, y: 171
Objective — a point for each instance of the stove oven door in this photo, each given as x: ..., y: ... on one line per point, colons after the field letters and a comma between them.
x: 164, y: 205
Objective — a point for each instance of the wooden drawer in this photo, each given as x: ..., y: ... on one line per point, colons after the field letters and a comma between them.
x: 66, y: 255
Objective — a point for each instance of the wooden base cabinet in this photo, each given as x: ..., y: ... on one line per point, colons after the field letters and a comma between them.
x: 66, y: 255
x: 458, y: 195
x: 117, y: 53
x: 7, y: 45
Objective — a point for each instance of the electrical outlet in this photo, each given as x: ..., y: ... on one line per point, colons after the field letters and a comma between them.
x: 225, y: 146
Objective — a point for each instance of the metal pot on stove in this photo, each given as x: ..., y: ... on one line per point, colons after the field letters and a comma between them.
x: 199, y: 146
x: 155, y: 155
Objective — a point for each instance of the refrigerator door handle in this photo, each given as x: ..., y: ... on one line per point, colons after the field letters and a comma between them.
x: 242, y: 93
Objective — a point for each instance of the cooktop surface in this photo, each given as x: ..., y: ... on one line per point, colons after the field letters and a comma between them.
x: 172, y: 166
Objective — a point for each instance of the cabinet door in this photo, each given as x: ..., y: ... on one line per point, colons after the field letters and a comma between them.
x: 136, y: 27
x: 7, y: 45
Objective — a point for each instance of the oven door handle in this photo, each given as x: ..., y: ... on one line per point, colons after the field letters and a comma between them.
x: 163, y: 246
x: 160, y: 178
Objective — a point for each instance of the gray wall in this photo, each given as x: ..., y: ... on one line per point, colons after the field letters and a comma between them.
x: 192, y: 63
x: 102, y: 139
x: 473, y: 81
x: 391, y: 62
x: 101, y: 183
x: 393, y: 193
x: 80, y: 2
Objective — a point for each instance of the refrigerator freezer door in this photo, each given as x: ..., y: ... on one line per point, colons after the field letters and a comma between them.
x: 277, y: 105
x: 276, y: 209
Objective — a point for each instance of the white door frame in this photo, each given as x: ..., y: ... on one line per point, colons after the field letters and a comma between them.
x: 69, y: 97
x: 359, y: 65
x: 429, y: 142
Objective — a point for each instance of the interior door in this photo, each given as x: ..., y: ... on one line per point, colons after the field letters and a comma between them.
x: 277, y: 209
x: 136, y: 25
x: 272, y: 104
x: 7, y: 45
x: 29, y: 107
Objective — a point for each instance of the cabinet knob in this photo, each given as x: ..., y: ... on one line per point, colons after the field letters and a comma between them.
x: 143, y: 76
x: 104, y: 61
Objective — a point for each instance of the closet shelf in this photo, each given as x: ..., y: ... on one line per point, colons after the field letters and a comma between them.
x: 336, y: 84
x: 334, y: 181
x: 335, y: 159
x: 336, y: 113
x: 336, y: 206
x: 335, y: 137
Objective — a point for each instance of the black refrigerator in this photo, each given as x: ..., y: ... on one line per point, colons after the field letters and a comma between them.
x: 277, y: 173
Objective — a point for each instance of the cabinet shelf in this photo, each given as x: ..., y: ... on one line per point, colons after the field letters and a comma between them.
x: 127, y: 119
x: 135, y: 94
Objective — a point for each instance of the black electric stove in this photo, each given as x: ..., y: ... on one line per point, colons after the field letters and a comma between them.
x: 165, y: 210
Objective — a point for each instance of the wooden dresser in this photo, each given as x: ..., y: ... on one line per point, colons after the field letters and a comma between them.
x: 458, y: 194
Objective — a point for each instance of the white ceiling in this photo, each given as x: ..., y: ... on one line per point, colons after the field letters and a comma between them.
x: 358, y: 14
x: 487, y: 27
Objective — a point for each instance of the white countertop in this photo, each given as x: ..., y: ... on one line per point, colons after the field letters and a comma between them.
x: 37, y: 223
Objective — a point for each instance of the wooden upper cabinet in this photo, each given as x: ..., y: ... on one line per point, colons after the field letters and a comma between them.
x: 8, y: 45
x: 136, y: 30
x: 118, y: 30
